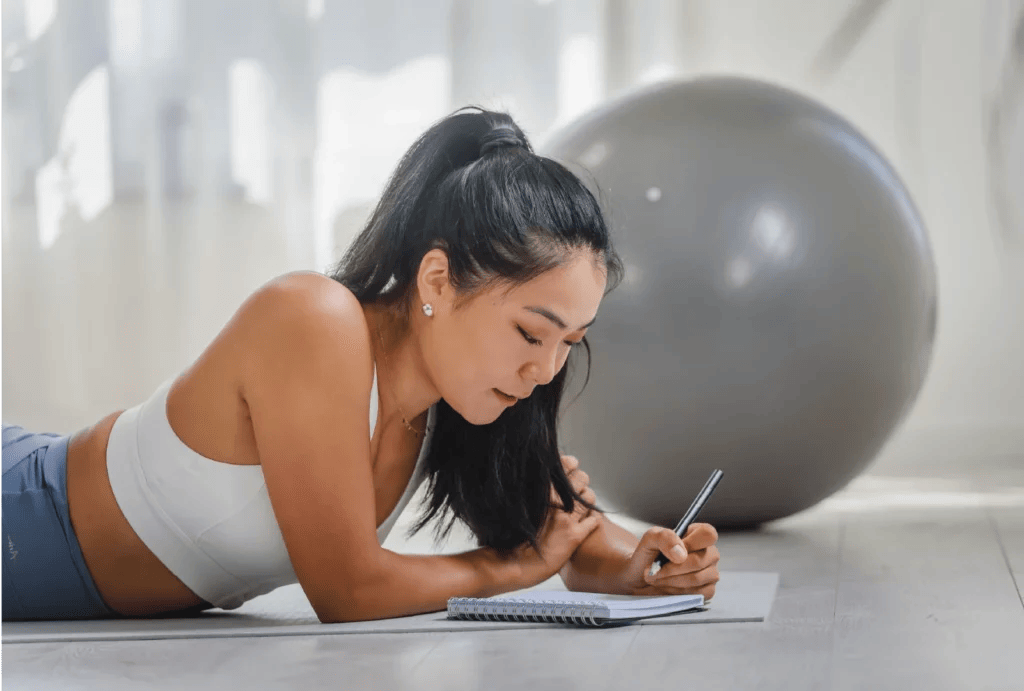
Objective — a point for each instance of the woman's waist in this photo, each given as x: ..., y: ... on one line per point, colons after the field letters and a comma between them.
x: 130, y: 578
x: 87, y: 459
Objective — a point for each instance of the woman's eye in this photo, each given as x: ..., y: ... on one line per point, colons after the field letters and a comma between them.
x: 533, y: 341
x: 529, y: 339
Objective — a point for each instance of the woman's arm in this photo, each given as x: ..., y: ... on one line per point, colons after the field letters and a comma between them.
x: 403, y: 584
x: 412, y: 580
x: 308, y: 375
x: 599, y: 561
x: 613, y: 560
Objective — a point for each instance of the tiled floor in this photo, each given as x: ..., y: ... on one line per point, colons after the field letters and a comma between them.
x: 894, y: 583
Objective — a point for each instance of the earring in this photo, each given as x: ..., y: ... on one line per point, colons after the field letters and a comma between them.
x: 428, y: 309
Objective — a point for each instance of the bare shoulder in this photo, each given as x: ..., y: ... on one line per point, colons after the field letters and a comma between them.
x: 304, y: 328
x: 304, y: 295
x: 307, y: 310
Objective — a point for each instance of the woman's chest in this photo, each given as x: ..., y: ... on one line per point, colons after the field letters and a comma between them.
x: 393, y: 465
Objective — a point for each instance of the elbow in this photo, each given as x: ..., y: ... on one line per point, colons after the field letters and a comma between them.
x: 348, y: 611
x: 333, y: 610
x: 351, y: 602
x: 335, y: 618
x: 342, y: 613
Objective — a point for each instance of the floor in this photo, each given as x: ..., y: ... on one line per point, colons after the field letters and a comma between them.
x: 893, y: 583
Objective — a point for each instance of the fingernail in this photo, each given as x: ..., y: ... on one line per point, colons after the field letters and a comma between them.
x: 679, y: 552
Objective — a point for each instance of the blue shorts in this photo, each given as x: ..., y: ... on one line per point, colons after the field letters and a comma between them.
x: 44, y: 572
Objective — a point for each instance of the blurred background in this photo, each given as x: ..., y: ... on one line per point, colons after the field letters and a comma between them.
x: 162, y: 159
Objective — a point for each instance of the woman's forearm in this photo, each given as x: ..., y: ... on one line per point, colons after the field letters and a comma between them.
x: 406, y: 584
x: 600, y: 559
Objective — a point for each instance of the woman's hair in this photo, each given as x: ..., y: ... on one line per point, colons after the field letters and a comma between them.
x: 472, y: 187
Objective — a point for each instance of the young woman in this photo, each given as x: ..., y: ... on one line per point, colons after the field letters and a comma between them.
x: 436, y: 351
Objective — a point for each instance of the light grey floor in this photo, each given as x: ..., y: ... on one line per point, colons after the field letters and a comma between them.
x: 894, y: 583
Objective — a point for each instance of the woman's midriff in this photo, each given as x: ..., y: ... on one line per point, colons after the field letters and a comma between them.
x: 129, y: 577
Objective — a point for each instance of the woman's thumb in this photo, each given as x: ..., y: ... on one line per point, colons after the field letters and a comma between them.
x: 661, y: 541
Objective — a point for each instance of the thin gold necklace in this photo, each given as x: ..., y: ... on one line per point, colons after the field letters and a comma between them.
x: 387, y: 363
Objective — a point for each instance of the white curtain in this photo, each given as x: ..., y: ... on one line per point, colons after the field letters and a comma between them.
x: 163, y: 159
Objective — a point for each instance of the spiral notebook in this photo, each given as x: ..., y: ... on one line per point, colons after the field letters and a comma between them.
x: 569, y: 607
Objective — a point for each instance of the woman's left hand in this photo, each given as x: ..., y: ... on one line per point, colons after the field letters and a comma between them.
x: 695, y: 572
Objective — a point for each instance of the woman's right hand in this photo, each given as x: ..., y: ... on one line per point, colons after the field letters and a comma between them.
x: 562, y: 533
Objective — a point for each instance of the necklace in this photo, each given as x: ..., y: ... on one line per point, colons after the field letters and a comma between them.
x: 405, y: 419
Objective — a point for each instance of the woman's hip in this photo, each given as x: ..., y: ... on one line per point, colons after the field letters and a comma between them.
x: 44, y: 572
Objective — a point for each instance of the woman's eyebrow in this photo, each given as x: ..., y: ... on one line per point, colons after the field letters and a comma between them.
x: 554, y: 318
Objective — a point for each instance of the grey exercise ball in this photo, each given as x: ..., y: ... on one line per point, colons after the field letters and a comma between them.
x: 778, y: 311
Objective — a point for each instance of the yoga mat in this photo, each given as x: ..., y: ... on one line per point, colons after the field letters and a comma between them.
x: 740, y: 596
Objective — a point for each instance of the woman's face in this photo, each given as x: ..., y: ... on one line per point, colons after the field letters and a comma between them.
x: 504, y: 342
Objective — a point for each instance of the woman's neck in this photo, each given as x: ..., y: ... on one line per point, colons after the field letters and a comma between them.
x: 402, y: 383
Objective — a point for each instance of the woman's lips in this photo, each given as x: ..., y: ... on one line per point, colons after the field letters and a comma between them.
x: 511, y: 399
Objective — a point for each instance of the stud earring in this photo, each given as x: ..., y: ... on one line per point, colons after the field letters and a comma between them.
x: 428, y: 309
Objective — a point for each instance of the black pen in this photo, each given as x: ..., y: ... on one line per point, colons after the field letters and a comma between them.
x: 691, y: 513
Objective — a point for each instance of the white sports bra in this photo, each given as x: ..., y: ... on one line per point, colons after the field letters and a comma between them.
x: 210, y: 523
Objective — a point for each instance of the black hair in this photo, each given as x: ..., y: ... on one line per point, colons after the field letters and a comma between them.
x: 473, y: 187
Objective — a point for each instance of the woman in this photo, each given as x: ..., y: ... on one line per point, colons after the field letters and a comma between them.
x: 435, y: 351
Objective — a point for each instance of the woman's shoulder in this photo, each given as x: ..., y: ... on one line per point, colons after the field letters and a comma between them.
x: 305, y: 297
x: 303, y: 316
x: 308, y: 289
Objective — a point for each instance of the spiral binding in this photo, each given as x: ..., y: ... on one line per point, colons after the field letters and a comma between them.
x: 477, y: 609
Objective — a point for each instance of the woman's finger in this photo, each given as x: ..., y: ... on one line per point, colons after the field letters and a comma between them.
x: 655, y: 541
x: 695, y: 562
x: 707, y: 591
x: 700, y: 536
x: 555, y: 499
x: 688, y: 582
x: 579, y: 484
x: 584, y: 491
x: 570, y: 463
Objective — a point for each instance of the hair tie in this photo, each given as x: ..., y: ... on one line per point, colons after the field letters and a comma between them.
x: 502, y: 135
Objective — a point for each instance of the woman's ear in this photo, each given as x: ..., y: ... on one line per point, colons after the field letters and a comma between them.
x: 433, y: 279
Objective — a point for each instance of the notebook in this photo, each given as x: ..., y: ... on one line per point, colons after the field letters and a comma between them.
x: 570, y: 607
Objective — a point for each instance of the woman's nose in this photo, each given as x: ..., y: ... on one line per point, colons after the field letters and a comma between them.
x: 544, y: 371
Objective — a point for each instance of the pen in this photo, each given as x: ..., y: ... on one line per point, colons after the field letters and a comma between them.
x: 691, y: 513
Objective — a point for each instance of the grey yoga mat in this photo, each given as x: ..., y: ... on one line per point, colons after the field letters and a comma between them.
x: 740, y: 596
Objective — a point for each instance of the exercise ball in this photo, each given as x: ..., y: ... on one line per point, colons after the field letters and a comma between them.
x: 778, y: 310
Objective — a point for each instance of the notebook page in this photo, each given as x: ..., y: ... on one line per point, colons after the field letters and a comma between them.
x: 614, y: 603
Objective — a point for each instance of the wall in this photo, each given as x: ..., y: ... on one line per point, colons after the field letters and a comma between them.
x: 233, y: 156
